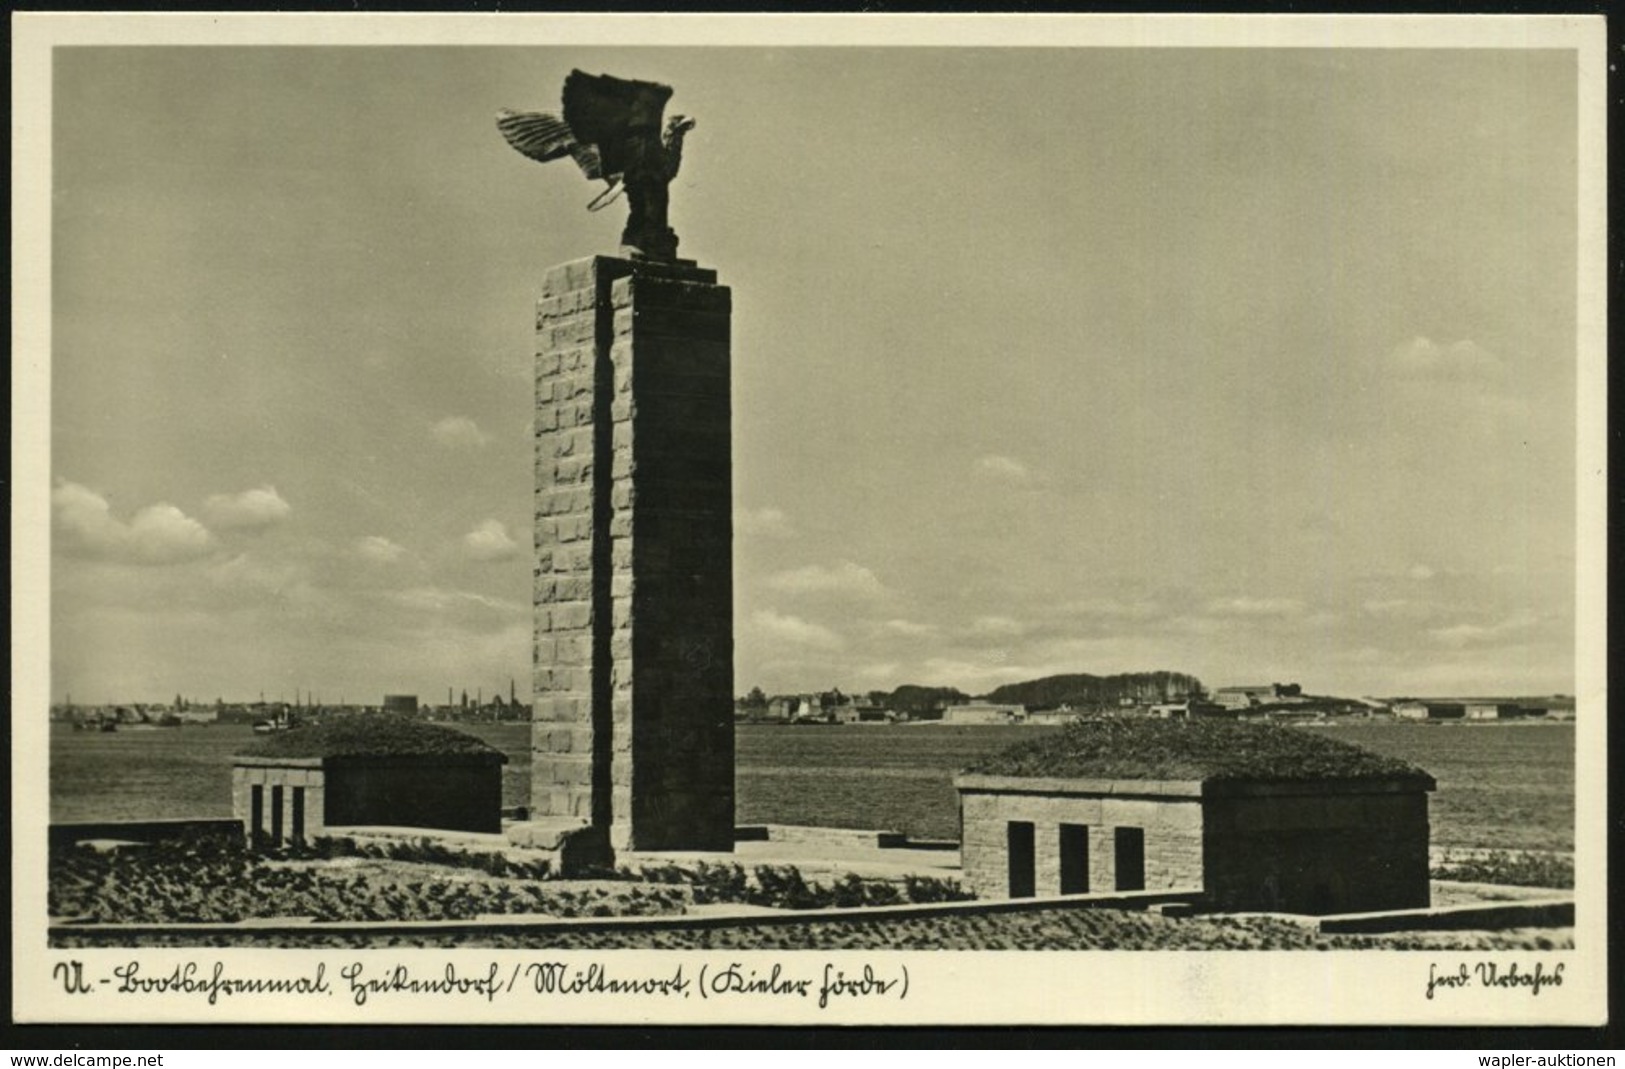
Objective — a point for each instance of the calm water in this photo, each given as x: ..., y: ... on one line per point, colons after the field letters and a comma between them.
x: 1499, y: 786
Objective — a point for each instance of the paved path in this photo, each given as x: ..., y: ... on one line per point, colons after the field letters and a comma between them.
x: 818, y: 860
x: 822, y: 860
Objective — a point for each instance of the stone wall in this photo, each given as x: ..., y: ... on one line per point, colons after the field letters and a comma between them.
x: 1172, y: 827
x: 1325, y: 853
x: 672, y: 548
x: 570, y: 726
x: 460, y: 793
x: 1324, y: 847
x: 290, y: 774
x: 62, y: 836
x: 633, y: 682
x: 850, y: 838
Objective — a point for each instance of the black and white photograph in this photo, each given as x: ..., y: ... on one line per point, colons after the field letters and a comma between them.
x: 852, y: 520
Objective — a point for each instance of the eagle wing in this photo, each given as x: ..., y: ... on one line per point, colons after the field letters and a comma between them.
x: 610, y: 113
x: 541, y: 137
x: 544, y: 137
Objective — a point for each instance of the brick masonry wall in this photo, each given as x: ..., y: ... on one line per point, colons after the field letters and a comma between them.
x: 569, y: 726
x: 633, y: 655
x: 1173, y: 839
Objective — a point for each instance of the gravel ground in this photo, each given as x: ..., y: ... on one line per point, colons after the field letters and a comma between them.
x: 182, y: 884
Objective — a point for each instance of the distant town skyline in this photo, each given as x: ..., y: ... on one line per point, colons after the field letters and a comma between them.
x: 319, y: 698
x: 1254, y: 364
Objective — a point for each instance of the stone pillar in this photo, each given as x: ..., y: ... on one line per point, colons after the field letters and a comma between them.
x: 1102, y: 859
x: 633, y: 725
x: 570, y: 717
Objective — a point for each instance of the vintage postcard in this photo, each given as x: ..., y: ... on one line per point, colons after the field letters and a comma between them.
x: 820, y: 520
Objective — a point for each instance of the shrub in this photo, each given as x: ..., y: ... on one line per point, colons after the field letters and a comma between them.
x: 783, y: 887
x: 328, y: 848
x: 667, y: 873
x: 849, y: 891
x: 1520, y: 869
x: 882, y: 893
x: 933, y: 889
x: 719, y: 883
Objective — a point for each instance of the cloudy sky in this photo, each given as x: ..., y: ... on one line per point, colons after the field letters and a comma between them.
x: 1255, y: 364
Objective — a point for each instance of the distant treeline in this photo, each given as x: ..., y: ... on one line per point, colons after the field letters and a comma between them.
x: 1086, y: 690
x: 923, y: 703
x: 911, y: 701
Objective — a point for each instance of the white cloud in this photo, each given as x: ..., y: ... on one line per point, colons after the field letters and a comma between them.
x: 1461, y: 361
x: 909, y: 628
x: 879, y: 673
x: 794, y: 630
x: 1119, y: 651
x: 163, y: 533
x: 1114, y: 609
x: 247, y: 572
x: 763, y: 523
x: 490, y: 541
x: 440, y: 600
x: 976, y: 677
x: 157, y: 534
x: 997, y: 625
x: 1460, y: 636
x: 459, y: 432
x: 1006, y: 469
x: 1244, y: 606
x: 1421, y: 572
x: 844, y: 578
x: 249, y: 510
x: 379, y: 550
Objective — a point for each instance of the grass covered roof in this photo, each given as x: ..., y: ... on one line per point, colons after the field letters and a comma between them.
x: 369, y: 736
x: 1212, y: 751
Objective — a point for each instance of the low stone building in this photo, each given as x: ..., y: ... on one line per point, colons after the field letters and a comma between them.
x: 984, y: 713
x: 1429, y: 710
x: 1247, y: 696
x: 1495, y: 711
x: 366, y: 770
x: 1063, y: 715
x: 1258, y: 817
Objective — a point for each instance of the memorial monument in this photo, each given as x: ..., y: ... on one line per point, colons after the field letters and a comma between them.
x: 632, y: 731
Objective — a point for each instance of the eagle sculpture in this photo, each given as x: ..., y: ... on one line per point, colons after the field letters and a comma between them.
x: 612, y: 129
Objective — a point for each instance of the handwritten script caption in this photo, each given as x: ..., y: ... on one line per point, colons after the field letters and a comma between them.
x: 827, y: 986
x: 1496, y: 976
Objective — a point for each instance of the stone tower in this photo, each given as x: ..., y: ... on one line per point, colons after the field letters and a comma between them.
x: 632, y: 733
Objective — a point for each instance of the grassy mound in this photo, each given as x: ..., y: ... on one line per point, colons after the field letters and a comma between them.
x: 1518, y: 868
x: 369, y: 736
x: 1212, y: 751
